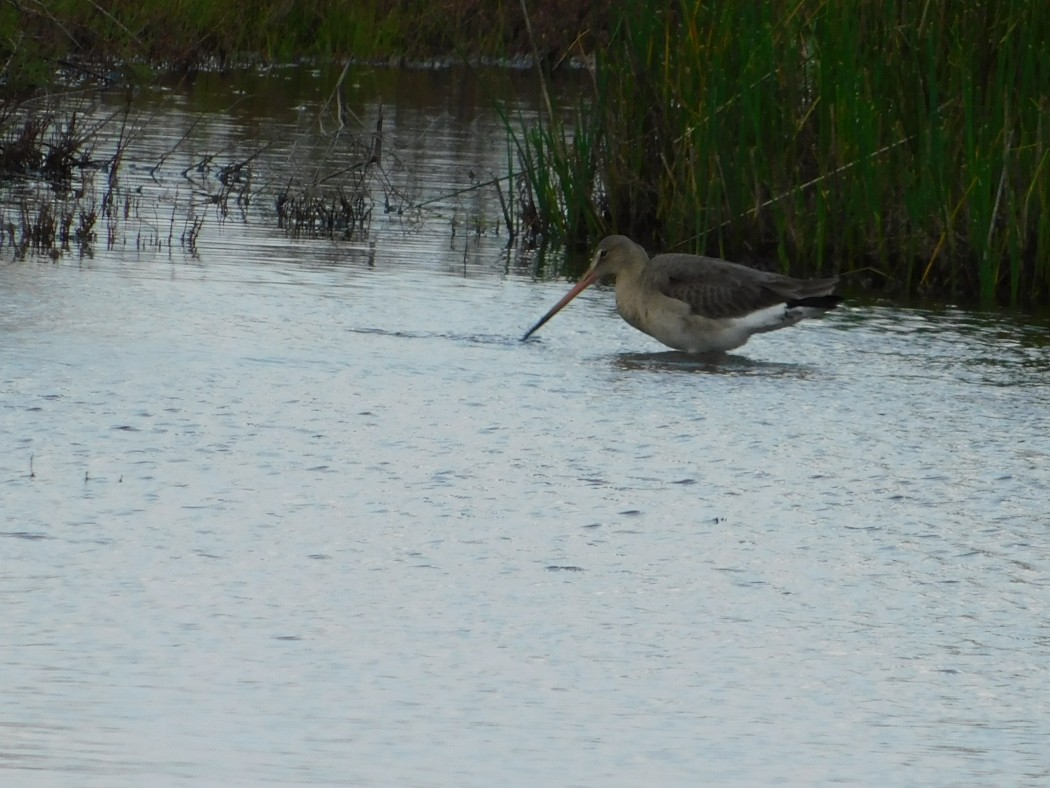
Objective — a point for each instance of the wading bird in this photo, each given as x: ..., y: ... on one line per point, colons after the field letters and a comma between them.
x: 699, y: 304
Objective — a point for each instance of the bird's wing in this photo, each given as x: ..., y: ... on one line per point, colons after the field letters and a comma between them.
x: 716, y: 288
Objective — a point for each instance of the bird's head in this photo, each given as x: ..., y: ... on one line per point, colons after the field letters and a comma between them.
x: 612, y: 256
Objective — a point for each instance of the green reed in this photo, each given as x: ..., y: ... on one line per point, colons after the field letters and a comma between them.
x: 560, y: 166
x: 907, y: 142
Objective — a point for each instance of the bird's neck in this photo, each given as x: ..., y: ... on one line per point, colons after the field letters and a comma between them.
x: 630, y: 294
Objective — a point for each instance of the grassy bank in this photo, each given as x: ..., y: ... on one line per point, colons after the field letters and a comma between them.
x: 906, y: 141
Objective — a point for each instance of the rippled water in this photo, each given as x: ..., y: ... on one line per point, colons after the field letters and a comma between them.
x: 300, y: 512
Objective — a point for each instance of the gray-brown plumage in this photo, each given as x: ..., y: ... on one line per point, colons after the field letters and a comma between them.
x: 699, y: 304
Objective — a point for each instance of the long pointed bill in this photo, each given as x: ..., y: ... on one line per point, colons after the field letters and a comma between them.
x: 588, y: 280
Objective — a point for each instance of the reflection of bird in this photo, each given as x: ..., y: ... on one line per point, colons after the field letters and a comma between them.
x: 699, y: 304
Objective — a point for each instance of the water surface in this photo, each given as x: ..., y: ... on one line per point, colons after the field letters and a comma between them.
x: 302, y: 511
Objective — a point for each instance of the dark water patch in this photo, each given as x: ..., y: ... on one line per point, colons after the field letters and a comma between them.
x: 726, y: 364
x: 471, y: 339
